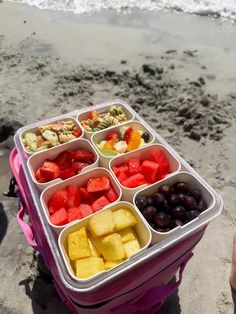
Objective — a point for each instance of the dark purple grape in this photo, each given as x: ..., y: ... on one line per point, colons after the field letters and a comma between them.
x: 162, y: 219
x: 191, y: 214
x: 146, y: 137
x: 166, y: 190
x: 141, y: 201
x: 190, y: 203
x: 149, y: 213
x: 162, y: 229
x: 174, y: 200
x: 182, y: 198
x: 159, y: 199
x: 201, y: 206
x: 176, y: 223
x: 149, y: 201
x: 196, y: 194
x: 182, y: 187
x: 178, y: 212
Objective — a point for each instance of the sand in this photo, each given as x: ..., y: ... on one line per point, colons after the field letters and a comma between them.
x: 179, y: 78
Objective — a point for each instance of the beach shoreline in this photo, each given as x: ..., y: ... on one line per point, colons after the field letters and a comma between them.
x: 54, y: 62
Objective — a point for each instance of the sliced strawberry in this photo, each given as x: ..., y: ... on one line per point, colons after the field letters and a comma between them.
x: 134, y: 181
x: 39, y: 177
x: 127, y: 135
x: 77, y: 131
x: 98, y: 184
x: 93, y: 115
x: 74, y: 214
x: 60, y: 217
x: 85, y: 210
x: 67, y: 173
x: 57, y: 201
x: 111, y: 195
x: 81, y: 155
x: 100, y: 203
x: 73, y: 196
x: 63, y: 161
x: 112, y: 135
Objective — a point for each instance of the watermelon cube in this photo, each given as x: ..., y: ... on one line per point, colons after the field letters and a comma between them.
x: 60, y: 217
x: 57, y: 201
x: 134, y: 164
x: 150, y: 170
x: 85, y: 210
x: 124, y: 168
x: 115, y: 170
x: 121, y: 176
x: 159, y: 157
x: 134, y: 181
x: 100, y: 203
x: 98, y: 184
x: 73, y: 196
x: 73, y: 214
x: 111, y: 195
x: 86, y: 197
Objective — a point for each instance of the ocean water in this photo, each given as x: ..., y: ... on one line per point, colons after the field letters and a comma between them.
x: 217, y: 8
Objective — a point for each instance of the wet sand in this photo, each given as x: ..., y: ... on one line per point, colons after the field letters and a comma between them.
x: 181, y: 79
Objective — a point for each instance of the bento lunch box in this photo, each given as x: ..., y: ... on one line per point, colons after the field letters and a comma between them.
x: 180, y: 169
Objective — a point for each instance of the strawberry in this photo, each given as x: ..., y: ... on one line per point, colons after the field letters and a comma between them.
x: 127, y: 135
x: 77, y: 131
x: 112, y: 135
x: 93, y: 115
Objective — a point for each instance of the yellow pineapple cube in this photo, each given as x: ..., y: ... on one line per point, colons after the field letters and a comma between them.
x: 131, y: 248
x: 108, y: 264
x: 123, y: 219
x: 87, y: 267
x: 127, y: 235
x: 101, y: 224
x: 78, y: 246
x: 110, y: 246
x: 94, y: 251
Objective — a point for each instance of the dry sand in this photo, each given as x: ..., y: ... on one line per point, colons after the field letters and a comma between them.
x: 177, y: 71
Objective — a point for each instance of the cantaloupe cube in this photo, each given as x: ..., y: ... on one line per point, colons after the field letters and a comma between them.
x: 127, y: 235
x: 123, y: 219
x: 87, y: 267
x: 131, y: 248
x: 101, y: 224
x: 78, y: 246
x: 94, y: 251
x: 110, y: 246
x: 108, y: 265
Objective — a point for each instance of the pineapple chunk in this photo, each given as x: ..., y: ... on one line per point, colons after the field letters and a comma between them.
x: 102, y: 224
x: 87, y: 267
x: 78, y: 246
x: 131, y: 248
x: 123, y: 219
x: 127, y: 235
x: 94, y: 251
x: 108, y: 265
x: 111, y: 247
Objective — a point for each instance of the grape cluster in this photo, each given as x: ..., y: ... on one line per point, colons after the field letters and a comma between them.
x: 171, y: 206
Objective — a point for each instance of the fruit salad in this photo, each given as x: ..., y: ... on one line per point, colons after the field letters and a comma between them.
x: 50, y: 135
x: 137, y: 172
x: 66, y: 165
x: 126, y: 140
x: 107, y: 240
x: 98, y: 121
x: 74, y: 203
x: 171, y: 206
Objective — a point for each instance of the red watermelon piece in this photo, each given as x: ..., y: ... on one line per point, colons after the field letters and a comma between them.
x: 85, y: 210
x: 73, y: 196
x: 121, y: 176
x: 74, y: 213
x: 98, y: 184
x: 149, y: 169
x: 134, y: 181
x: 134, y: 165
x: 100, y: 203
x: 57, y: 201
x: 124, y: 168
x: 159, y: 157
x: 111, y: 195
x: 60, y: 217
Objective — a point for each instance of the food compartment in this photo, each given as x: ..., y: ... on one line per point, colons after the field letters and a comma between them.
x: 121, y: 139
x: 102, y: 242
x: 93, y: 121
x: 62, y: 162
x: 79, y: 197
x: 174, y: 204
x: 142, y: 167
x: 51, y: 134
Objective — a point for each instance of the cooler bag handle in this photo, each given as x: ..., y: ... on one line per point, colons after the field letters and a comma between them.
x: 27, y: 230
x: 153, y: 296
